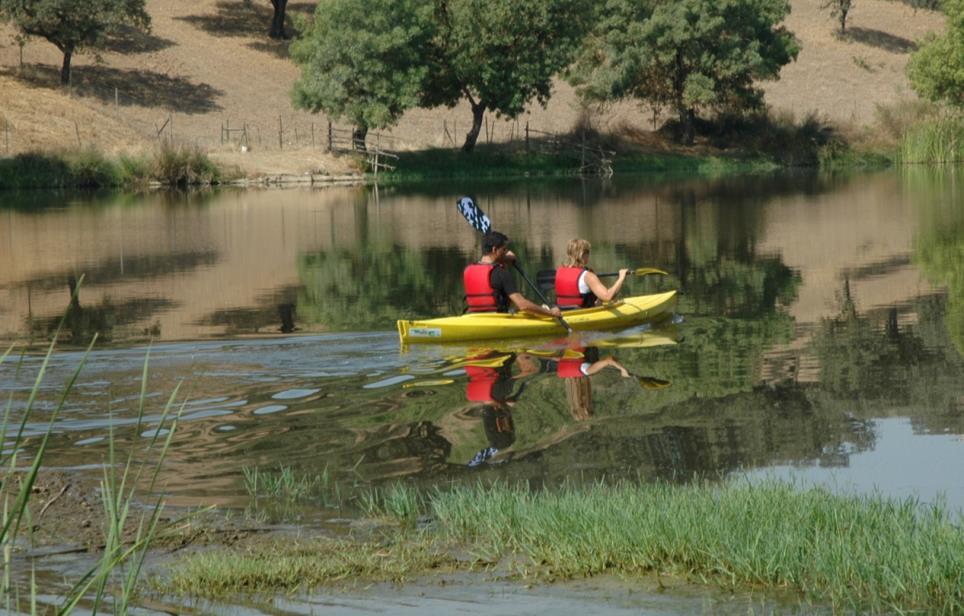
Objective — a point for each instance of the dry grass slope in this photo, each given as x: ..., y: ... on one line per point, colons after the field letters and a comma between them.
x: 208, y: 63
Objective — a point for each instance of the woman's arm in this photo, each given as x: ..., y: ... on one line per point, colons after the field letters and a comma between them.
x: 599, y: 289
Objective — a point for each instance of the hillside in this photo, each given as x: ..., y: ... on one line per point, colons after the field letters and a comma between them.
x: 209, y: 63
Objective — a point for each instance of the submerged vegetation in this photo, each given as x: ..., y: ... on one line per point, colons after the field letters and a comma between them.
x: 91, y: 168
x: 854, y: 552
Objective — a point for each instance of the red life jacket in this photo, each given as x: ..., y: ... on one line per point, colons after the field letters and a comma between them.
x: 479, y: 294
x: 570, y: 368
x: 567, y: 288
x: 481, y: 382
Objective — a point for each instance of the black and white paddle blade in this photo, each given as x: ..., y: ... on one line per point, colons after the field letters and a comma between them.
x: 474, y: 214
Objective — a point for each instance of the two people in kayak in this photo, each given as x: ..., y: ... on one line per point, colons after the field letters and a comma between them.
x: 490, y: 287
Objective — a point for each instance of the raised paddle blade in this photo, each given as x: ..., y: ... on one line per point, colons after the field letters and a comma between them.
x: 474, y: 214
x: 639, y: 271
x: 646, y: 271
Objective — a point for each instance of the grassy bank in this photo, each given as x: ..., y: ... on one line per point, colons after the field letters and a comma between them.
x: 514, y: 161
x: 862, y: 553
x: 90, y: 168
x: 725, y: 144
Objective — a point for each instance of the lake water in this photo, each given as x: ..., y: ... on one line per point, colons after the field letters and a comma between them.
x: 821, y: 330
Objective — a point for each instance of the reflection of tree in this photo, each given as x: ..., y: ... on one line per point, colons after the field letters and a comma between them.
x: 872, y: 358
x: 719, y: 270
x: 940, y: 241
x: 856, y: 357
x: 82, y: 322
x: 371, y: 287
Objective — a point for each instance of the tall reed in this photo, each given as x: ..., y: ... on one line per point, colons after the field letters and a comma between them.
x: 117, y: 573
x: 934, y: 141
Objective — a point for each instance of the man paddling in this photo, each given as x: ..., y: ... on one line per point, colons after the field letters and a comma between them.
x: 490, y: 287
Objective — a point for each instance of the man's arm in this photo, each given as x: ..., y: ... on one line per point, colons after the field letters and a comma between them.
x: 523, y: 304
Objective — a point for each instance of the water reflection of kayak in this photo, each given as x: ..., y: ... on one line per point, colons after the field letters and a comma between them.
x: 631, y: 311
x: 493, y: 353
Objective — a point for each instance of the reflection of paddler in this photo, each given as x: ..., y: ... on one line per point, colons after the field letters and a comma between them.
x: 491, y: 383
x: 491, y: 379
x: 574, y: 367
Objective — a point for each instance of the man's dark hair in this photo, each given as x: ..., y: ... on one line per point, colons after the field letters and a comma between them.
x: 591, y: 354
x: 493, y: 240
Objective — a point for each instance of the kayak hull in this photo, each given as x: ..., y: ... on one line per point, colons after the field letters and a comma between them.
x: 491, y: 325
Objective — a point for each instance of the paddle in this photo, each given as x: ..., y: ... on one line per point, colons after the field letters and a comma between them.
x: 547, y: 278
x: 481, y: 223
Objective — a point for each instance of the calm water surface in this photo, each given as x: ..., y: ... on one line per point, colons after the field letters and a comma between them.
x: 821, y: 333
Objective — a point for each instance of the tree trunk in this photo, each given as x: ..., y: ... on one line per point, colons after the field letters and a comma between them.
x: 65, y: 67
x: 687, y: 119
x: 478, y: 110
x: 843, y: 22
x: 278, y: 20
x: 358, y: 135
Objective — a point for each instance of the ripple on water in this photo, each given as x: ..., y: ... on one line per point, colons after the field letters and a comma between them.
x: 206, y: 401
x: 225, y: 428
x: 89, y: 441
x: 154, y: 432
x: 291, y: 394
x: 392, y: 380
x: 206, y: 413
x: 271, y: 408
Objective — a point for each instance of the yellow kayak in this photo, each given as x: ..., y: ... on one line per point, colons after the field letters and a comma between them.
x: 490, y: 325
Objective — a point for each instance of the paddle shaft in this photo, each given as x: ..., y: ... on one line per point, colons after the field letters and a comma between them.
x: 540, y: 295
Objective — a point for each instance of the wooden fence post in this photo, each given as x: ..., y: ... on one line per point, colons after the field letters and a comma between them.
x: 281, y: 129
x: 329, y: 135
x: 312, y: 135
x: 527, y: 136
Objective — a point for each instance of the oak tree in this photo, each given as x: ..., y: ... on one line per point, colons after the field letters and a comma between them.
x: 689, y: 55
x: 74, y: 26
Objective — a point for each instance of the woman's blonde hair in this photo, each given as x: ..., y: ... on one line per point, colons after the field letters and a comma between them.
x: 575, y: 251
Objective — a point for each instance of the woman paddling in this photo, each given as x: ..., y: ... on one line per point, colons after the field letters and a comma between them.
x: 577, y: 286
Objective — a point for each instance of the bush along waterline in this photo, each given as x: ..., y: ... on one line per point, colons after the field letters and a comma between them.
x: 168, y: 165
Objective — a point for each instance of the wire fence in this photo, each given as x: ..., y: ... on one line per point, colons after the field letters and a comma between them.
x: 294, y: 132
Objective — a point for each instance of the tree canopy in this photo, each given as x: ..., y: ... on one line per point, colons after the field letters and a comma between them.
x: 369, y: 62
x: 74, y: 26
x: 502, y: 55
x: 936, y: 70
x: 363, y: 61
x: 686, y: 54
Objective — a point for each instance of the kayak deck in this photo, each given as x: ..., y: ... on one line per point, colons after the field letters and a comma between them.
x: 488, y: 325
